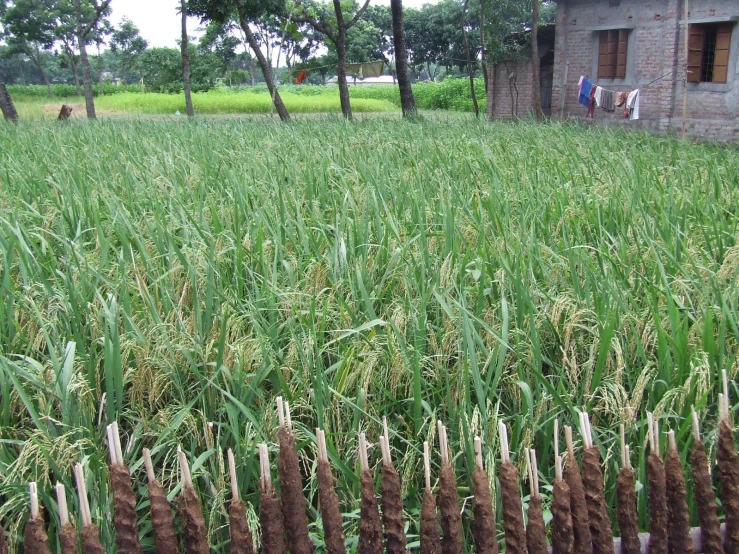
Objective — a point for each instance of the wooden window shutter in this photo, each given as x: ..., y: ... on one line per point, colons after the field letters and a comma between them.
x: 696, y: 40
x: 605, y: 70
x: 721, y: 58
x: 623, y: 41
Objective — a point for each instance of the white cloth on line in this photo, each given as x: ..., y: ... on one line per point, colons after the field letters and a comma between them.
x: 632, y: 102
x: 598, y: 96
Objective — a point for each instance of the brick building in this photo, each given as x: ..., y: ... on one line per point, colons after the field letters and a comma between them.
x: 623, y: 45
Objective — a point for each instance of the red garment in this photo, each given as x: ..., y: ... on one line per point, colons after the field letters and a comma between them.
x: 302, y: 74
x: 591, y: 105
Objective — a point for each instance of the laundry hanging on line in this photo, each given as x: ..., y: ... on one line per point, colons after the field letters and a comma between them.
x: 364, y: 70
x: 591, y: 95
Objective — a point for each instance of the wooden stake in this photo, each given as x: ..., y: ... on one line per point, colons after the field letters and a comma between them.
x: 504, y: 452
x: 266, y: 476
x: 184, y: 467
x: 535, y: 470
x: 696, y: 426
x: 623, y: 445
x: 386, y: 433
x: 117, y: 442
x: 442, y: 443
x: 232, y: 471
x: 427, y: 465
x: 385, y: 449
x: 628, y: 456
x: 650, y: 431
x: 725, y: 379
x: 478, y: 452
x: 556, y: 436
x: 557, y: 467
x: 363, y: 458
x: 82, y: 495
x: 529, y: 471
x: 33, y: 494
x: 149, y: 466
x: 280, y: 411
x: 61, y: 500
x: 671, y: 440
x: 656, y: 434
x: 570, y: 445
x: 288, y: 417
x: 111, y: 445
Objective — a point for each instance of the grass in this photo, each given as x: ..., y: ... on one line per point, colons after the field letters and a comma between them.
x: 179, y: 275
x: 452, y: 94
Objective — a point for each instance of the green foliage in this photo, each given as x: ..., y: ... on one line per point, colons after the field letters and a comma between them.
x: 177, y: 276
x: 225, y: 102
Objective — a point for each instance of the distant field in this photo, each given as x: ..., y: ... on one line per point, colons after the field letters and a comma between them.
x: 177, y: 276
x: 449, y: 95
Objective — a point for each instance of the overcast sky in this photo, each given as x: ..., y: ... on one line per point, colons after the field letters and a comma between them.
x: 160, y: 25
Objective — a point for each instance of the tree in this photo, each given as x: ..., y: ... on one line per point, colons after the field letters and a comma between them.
x: 29, y: 28
x: 185, y: 62
x: 127, y: 45
x: 88, y: 15
x: 334, y: 27
x: 535, y: 78
x: 223, y: 11
x: 407, y: 101
x: 6, y: 103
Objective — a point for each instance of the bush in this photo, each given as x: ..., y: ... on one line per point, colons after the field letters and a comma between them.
x: 66, y: 91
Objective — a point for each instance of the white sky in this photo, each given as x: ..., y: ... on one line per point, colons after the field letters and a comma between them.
x: 159, y: 22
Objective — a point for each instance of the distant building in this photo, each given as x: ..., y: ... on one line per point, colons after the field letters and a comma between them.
x: 622, y: 45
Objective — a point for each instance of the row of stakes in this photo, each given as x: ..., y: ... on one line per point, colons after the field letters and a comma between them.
x: 580, y: 522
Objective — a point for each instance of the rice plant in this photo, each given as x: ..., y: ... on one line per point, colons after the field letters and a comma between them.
x: 177, y: 275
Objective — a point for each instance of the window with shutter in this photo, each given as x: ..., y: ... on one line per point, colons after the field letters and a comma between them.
x: 709, y: 48
x: 612, y: 50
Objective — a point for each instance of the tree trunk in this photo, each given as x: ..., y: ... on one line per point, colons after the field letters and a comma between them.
x: 101, y: 83
x: 87, y: 80
x: 483, y: 54
x: 407, y: 101
x: 6, y: 104
x: 535, y: 62
x: 491, y: 92
x: 186, y: 63
x: 76, y: 74
x: 469, y: 62
x: 340, y: 43
x: 263, y: 63
x: 251, y: 73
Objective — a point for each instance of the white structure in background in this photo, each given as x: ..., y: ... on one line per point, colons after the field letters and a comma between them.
x: 381, y: 80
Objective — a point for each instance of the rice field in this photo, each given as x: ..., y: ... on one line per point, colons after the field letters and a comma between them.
x: 176, y: 276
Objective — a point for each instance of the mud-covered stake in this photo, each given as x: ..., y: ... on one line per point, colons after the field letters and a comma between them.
x: 89, y: 533
x: 330, y: 512
x: 657, y: 489
x: 35, y: 539
x: 162, y: 521
x: 241, y: 539
x: 483, y: 527
x: 191, y: 512
x: 678, y: 518
x: 452, y: 541
x: 370, y: 527
x: 270, y: 513
x: 392, y: 504
x: 728, y: 471
x: 583, y: 541
x: 3, y: 541
x: 563, y: 538
x: 536, y: 535
x: 510, y: 495
x: 592, y: 480
x: 628, y: 522
x: 67, y: 532
x: 124, y: 501
x: 294, y: 507
x: 430, y: 538
x: 703, y: 494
